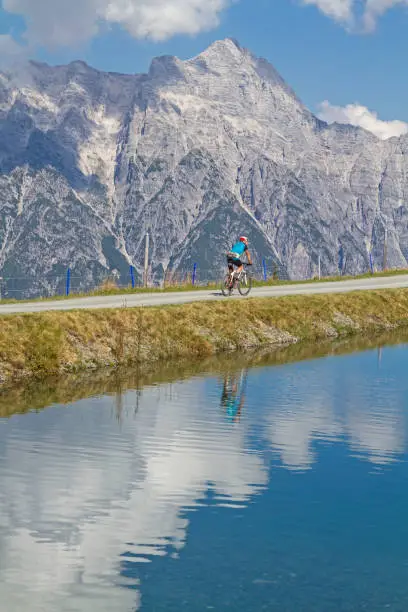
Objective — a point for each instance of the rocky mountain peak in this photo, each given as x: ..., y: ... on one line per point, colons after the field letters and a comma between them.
x: 227, y: 49
x: 194, y: 152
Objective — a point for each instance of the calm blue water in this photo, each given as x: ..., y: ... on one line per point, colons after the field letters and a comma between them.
x: 280, y: 488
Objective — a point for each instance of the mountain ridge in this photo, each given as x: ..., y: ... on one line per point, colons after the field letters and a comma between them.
x: 193, y: 152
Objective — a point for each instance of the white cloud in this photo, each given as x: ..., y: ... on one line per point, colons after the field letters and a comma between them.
x: 359, y: 15
x: 339, y: 10
x: 161, y: 19
x: 375, y: 9
x: 10, y: 51
x: 358, y: 115
x: 54, y: 23
x: 57, y: 22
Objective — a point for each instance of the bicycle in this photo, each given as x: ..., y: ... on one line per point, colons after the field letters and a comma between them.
x: 242, y: 281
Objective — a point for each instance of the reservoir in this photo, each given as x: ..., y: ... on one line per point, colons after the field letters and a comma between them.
x: 249, y: 485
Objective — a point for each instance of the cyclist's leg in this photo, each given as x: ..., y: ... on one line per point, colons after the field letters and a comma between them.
x: 230, y: 263
x: 239, y: 267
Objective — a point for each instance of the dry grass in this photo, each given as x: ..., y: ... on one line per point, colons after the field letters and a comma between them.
x: 54, y: 342
x: 108, y: 286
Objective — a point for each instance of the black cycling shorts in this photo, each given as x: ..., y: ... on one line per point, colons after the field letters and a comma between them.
x: 234, y: 262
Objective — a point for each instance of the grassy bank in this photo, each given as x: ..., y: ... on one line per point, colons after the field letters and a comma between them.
x: 34, y: 395
x: 56, y: 342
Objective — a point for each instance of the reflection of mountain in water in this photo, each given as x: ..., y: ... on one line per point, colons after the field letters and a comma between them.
x: 83, y: 491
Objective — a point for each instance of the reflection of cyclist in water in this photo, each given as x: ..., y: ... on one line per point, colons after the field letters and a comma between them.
x: 233, y: 394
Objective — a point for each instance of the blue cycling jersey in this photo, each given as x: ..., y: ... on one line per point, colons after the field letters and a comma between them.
x: 233, y: 406
x: 239, y: 248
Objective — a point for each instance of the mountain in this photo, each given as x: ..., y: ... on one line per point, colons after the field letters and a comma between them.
x: 196, y: 153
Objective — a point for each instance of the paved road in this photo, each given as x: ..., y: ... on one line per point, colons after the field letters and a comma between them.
x: 183, y: 297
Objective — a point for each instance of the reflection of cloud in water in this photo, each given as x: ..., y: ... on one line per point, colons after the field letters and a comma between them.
x: 377, y: 432
x: 312, y: 407
x: 293, y: 433
x: 79, y: 493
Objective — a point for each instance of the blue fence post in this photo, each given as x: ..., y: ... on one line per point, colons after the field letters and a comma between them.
x: 341, y: 260
x: 265, y: 277
x: 132, y: 276
x: 68, y: 283
x: 194, y: 273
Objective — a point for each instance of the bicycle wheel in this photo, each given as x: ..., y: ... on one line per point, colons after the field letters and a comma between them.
x: 245, y: 285
x: 226, y: 286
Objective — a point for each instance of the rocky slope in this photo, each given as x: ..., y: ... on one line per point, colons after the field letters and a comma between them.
x: 194, y: 152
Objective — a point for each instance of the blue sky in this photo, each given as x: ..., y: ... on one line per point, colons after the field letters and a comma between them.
x: 320, y: 53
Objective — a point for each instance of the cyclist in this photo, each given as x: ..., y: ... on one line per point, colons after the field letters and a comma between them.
x: 233, y: 395
x: 234, y: 256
